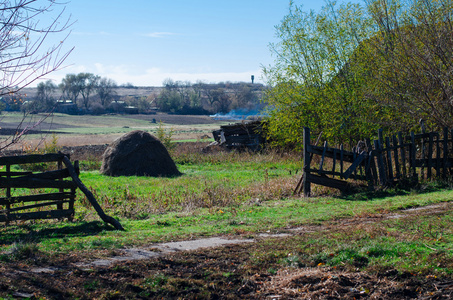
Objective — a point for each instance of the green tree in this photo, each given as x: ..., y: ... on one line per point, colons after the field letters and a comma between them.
x: 44, y: 99
x: 414, y: 53
x: 310, y: 82
x: 70, y: 87
x: 351, y: 69
x: 87, y: 83
x: 106, y: 90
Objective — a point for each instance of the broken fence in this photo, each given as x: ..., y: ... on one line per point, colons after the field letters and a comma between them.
x: 383, y: 162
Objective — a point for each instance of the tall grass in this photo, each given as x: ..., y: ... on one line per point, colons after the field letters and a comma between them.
x: 210, y: 179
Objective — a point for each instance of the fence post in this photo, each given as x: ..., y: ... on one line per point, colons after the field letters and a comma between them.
x: 444, y: 163
x: 412, y: 151
x: 402, y: 152
x: 380, y: 161
x: 307, y: 161
x: 389, y: 159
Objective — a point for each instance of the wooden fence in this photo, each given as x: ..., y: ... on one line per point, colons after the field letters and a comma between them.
x: 384, y: 162
x: 36, y: 206
x: 49, y: 195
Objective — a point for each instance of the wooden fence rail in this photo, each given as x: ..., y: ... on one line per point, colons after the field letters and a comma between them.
x: 384, y: 162
x: 53, y: 196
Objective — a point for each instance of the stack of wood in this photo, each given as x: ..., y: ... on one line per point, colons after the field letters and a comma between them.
x: 245, y: 135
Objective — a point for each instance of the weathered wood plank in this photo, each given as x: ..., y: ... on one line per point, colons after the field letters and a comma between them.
x: 323, y: 156
x: 412, y: 151
x: 348, y: 156
x: 35, y: 183
x: 380, y: 160
x: 389, y: 159
x: 42, y: 204
x: 6, y: 174
x: 396, y: 157
x: 49, y: 175
x: 52, y: 214
x: 445, y: 152
x: 354, y: 166
x: 430, y: 155
x: 30, y: 159
x: 329, y: 182
x: 402, y: 152
x: 307, y: 162
x: 40, y: 197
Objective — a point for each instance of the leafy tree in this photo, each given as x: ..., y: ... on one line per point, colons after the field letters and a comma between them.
x: 106, y: 90
x: 70, y: 87
x: 350, y: 69
x: 44, y: 97
x: 413, y: 58
x: 87, y: 83
x: 310, y: 82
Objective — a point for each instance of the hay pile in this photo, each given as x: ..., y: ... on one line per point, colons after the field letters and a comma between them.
x: 138, y: 153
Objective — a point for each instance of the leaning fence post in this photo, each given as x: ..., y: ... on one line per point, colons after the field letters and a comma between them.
x: 90, y: 196
x: 307, y: 161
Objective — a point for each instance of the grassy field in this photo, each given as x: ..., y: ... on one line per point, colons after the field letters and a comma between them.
x: 363, y: 245
x: 88, y: 129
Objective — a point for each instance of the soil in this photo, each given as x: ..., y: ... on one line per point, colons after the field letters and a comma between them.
x: 213, y: 268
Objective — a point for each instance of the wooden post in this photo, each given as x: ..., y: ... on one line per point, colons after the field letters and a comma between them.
x: 422, y: 171
x: 389, y: 159
x: 430, y: 155
x: 372, y: 162
x: 90, y: 196
x: 341, y: 161
x: 61, y: 190
x: 412, y: 151
x: 334, y: 161
x: 380, y: 161
x: 395, y: 156
x: 437, y: 155
x: 444, y: 159
x: 381, y: 154
x: 323, y: 156
x: 307, y: 161
x: 8, y: 193
x: 402, y: 152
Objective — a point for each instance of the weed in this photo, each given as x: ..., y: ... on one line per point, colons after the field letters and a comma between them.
x: 91, y: 285
x: 166, y: 137
x: 20, y: 251
x: 155, y: 282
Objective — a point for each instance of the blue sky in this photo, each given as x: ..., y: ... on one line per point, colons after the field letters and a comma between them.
x: 143, y: 42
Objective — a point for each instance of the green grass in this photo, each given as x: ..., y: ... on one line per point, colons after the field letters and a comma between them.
x: 246, y: 194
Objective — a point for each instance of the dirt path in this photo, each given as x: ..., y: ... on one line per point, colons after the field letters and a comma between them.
x: 162, y: 249
x: 218, y: 268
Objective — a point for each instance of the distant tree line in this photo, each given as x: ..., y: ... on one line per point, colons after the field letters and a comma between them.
x: 86, y: 93
x: 202, y: 98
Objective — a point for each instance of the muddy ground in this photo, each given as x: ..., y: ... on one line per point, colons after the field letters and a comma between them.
x: 226, y: 272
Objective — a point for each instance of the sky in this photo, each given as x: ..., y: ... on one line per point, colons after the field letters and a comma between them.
x: 144, y: 42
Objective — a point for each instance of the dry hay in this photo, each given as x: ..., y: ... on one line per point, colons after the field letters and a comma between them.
x: 328, y: 283
x: 138, y: 153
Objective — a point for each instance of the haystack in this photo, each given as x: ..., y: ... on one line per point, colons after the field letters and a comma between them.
x: 138, y: 153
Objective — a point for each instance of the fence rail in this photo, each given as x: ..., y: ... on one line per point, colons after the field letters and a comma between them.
x: 58, y: 202
x: 384, y: 162
x: 47, y: 204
